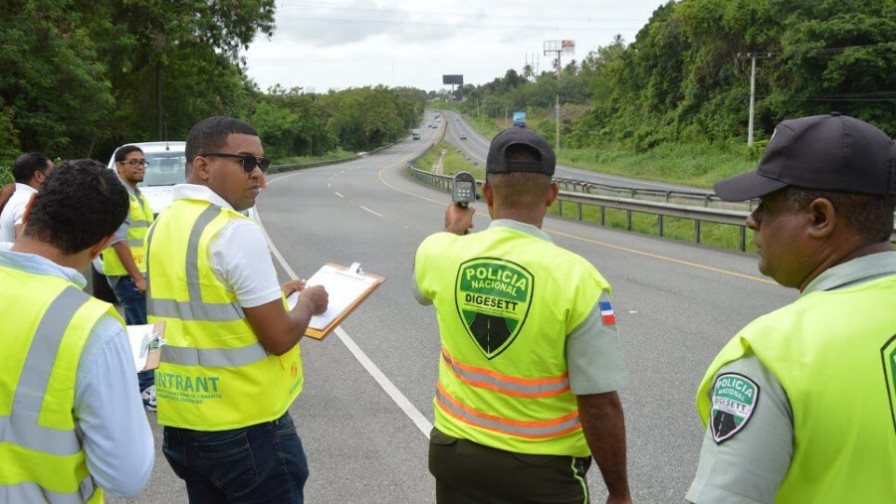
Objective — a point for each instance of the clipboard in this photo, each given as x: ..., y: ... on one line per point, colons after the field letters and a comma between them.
x: 146, y: 342
x: 347, y: 286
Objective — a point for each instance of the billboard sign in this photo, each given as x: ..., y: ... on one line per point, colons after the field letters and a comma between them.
x: 453, y: 79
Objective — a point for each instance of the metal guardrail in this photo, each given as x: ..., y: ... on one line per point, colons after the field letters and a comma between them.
x: 662, y: 209
x: 692, y: 198
x: 654, y: 202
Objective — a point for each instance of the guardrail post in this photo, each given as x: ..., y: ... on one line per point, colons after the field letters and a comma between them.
x: 579, y: 211
x: 706, y: 201
x: 697, y: 230
x: 743, y: 238
x: 560, y: 207
x: 629, y: 219
x: 660, y: 222
x: 603, y: 216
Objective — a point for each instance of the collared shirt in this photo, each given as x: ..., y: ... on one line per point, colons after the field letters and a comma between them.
x: 593, y: 353
x: 749, y: 467
x: 239, y: 254
x: 14, y: 211
x: 108, y: 410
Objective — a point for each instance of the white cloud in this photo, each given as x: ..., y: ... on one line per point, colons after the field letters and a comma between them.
x: 351, y: 43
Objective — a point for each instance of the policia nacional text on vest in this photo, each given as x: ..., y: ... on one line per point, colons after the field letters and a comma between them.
x: 844, y: 430
x: 41, y: 457
x: 494, y: 388
x: 215, y: 374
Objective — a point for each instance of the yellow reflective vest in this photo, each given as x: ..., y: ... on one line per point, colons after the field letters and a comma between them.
x: 45, y: 329
x: 214, y: 373
x: 505, y: 302
x: 140, y: 216
x: 834, y: 353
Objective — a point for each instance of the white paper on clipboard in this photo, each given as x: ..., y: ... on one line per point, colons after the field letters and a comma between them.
x: 343, y: 288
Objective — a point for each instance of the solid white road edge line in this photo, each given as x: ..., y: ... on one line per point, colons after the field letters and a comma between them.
x: 384, y: 382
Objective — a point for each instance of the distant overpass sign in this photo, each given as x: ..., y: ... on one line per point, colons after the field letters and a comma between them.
x: 453, y: 79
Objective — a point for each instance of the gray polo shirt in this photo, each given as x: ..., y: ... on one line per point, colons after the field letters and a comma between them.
x: 748, y: 468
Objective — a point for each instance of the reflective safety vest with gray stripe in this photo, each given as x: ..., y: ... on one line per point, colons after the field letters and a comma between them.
x: 140, y: 218
x: 214, y: 373
x: 515, y: 396
x: 46, y: 327
x: 834, y: 353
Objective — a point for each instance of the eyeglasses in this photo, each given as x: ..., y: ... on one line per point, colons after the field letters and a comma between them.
x: 248, y: 161
x: 135, y: 162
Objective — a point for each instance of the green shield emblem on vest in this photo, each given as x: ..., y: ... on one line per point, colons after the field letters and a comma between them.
x: 734, y: 399
x: 888, y: 357
x: 493, y: 297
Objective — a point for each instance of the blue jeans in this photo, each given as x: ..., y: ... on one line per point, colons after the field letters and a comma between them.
x: 134, y: 303
x: 257, y: 464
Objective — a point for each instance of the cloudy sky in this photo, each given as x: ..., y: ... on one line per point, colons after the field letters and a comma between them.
x: 336, y: 44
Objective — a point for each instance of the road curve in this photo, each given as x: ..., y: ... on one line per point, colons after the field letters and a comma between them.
x: 475, y: 147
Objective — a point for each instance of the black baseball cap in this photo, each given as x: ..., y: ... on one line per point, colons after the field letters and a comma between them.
x: 497, y: 161
x: 831, y: 152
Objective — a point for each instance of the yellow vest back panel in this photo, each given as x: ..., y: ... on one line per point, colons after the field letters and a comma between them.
x: 505, y: 303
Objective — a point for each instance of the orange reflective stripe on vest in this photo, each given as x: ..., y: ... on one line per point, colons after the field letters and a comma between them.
x: 509, y: 385
x: 527, y: 429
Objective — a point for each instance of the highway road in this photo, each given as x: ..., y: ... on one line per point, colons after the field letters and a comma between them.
x: 475, y: 148
x: 367, y: 406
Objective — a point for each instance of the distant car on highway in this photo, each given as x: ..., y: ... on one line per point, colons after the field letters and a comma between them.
x: 463, y: 136
x: 415, y: 135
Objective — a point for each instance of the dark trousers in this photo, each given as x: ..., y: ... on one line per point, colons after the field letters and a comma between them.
x: 469, y: 473
x: 257, y: 464
x: 134, y: 303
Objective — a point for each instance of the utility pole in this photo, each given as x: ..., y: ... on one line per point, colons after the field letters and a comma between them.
x: 753, y: 57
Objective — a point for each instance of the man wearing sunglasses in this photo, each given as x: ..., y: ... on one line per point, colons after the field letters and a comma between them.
x: 124, y: 262
x: 232, y: 364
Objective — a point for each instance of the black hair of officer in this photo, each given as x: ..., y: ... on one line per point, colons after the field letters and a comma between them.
x: 80, y: 203
x: 24, y: 167
x: 122, y: 153
x: 210, y: 134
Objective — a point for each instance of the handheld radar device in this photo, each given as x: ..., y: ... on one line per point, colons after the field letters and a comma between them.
x: 464, y: 191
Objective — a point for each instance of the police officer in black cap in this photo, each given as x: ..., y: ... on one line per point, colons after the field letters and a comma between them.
x: 799, y: 405
x: 530, y: 361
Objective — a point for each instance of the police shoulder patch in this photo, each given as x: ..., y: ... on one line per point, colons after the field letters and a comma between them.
x: 734, y: 400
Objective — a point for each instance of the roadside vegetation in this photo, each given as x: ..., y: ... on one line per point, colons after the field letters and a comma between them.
x: 80, y: 78
x: 672, y: 105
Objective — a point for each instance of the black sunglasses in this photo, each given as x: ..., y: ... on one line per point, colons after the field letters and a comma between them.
x: 248, y: 161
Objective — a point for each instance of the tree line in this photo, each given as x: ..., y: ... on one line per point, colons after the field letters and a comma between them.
x: 686, y: 76
x: 81, y: 77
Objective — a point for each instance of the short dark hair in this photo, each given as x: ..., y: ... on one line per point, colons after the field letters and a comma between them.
x: 25, y: 165
x: 870, y: 216
x: 78, y: 205
x: 123, y: 152
x: 210, y: 134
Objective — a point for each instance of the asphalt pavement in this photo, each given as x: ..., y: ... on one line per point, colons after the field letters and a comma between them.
x: 364, y: 414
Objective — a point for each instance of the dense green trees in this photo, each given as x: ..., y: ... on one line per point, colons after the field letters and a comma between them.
x: 80, y: 77
x: 685, y: 78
